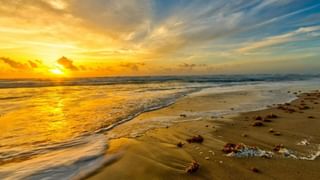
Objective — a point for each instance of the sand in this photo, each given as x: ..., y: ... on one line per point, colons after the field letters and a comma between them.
x: 155, y: 154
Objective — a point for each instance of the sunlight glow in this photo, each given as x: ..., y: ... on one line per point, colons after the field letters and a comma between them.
x: 57, y: 71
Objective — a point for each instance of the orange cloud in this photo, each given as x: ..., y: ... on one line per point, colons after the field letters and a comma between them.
x: 133, y: 66
x: 14, y: 64
x: 67, y: 63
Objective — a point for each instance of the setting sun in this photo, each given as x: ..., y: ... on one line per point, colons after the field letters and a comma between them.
x: 57, y: 71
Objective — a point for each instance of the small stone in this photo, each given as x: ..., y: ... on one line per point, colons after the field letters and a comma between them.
x: 244, y: 135
x: 256, y: 170
x: 180, y: 145
x: 200, y: 153
x: 277, y: 134
x: 183, y: 115
x: 257, y: 124
x: 195, y: 139
x: 207, y: 158
x: 311, y: 117
x: 271, y: 130
x: 258, y: 118
x: 220, y: 162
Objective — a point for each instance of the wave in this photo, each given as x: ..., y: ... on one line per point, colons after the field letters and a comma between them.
x: 74, y: 161
x: 23, y: 83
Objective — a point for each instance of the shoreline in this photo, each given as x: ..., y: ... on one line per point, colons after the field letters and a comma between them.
x: 156, y: 154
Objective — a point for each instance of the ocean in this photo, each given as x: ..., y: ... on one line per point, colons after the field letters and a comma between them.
x: 59, y: 129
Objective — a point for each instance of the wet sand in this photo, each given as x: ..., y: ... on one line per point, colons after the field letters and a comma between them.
x: 155, y: 155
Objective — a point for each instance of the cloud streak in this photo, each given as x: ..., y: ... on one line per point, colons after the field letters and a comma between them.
x: 280, y: 39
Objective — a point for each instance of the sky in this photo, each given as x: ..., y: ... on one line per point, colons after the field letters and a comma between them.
x: 86, y: 38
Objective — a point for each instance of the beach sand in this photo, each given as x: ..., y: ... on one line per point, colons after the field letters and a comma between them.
x: 155, y: 154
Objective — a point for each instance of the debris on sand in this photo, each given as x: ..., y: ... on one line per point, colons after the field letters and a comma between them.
x: 194, y: 166
x: 257, y: 124
x: 278, y: 147
x: 229, y: 147
x: 195, y: 139
x: 242, y: 150
x: 210, y: 151
x: 311, y: 157
x: 304, y: 107
x: 284, y: 151
x: 256, y: 170
x: 303, y: 142
x: 180, y: 145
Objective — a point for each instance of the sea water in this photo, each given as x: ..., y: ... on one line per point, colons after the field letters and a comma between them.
x: 57, y: 129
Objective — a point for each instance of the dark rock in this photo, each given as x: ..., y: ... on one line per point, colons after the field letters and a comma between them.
x: 183, y: 115
x: 271, y: 130
x: 257, y: 124
x: 194, y: 166
x: 259, y: 118
x: 256, y: 170
x: 244, y: 135
x: 311, y: 117
x: 277, y: 134
x: 195, y: 139
x: 180, y: 145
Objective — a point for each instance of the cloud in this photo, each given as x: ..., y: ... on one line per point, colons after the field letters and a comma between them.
x: 67, y: 63
x: 14, y: 64
x: 133, y: 66
x: 191, y: 66
x: 33, y: 64
x: 119, y: 19
x: 30, y: 65
x: 279, y: 39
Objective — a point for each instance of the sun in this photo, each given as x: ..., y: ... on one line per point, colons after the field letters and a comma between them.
x: 57, y: 71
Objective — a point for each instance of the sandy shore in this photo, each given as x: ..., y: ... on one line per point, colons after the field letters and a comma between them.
x: 282, y: 148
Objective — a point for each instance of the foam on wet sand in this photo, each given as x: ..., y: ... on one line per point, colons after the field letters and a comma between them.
x: 155, y: 153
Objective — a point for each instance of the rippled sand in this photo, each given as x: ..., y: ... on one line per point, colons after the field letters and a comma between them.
x: 155, y: 154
